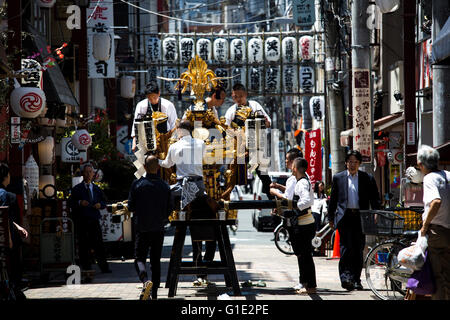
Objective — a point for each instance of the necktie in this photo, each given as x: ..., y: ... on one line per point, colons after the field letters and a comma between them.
x: 89, y: 193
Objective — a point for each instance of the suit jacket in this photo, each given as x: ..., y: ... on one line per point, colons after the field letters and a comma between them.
x: 367, y: 193
x: 80, y: 192
x: 150, y: 200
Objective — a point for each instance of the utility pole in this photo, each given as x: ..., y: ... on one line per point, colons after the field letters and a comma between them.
x: 441, y: 80
x: 361, y: 58
x: 335, y: 106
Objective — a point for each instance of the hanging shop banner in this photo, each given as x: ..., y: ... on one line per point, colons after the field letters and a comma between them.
x: 362, y: 114
x: 290, y: 74
x: 153, y: 49
x: 289, y: 49
x: 304, y: 12
x: 100, y: 46
x: 110, y: 231
x: 186, y: 50
x: 425, y: 69
x: 313, y: 154
x: 237, y: 50
x: 307, y: 78
x: 272, y: 49
x: 204, y: 49
x: 33, y: 75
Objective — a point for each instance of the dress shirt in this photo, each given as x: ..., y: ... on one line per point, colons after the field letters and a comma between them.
x: 231, y: 112
x: 187, y: 154
x: 290, y: 188
x: 353, y: 198
x: 167, y: 107
x: 305, y: 192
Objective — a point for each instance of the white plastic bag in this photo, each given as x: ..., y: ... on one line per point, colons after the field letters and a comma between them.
x: 413, y: 257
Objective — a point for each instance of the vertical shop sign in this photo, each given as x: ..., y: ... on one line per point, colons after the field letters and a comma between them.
x: 313, y: 154
x: 362, y: 114
x: 100, y: 21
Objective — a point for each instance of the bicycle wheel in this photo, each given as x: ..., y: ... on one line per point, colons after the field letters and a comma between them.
x: 282, y: 241
x: 385, y: 277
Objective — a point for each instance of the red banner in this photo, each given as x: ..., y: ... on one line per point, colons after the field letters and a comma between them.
x: 313, y: 154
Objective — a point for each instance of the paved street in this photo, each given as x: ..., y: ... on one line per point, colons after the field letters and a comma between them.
x: 256, y: 259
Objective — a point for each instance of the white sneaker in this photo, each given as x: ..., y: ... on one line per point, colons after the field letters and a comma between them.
x: 299, y: 286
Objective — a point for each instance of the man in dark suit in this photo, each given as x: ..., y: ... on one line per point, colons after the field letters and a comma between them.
x: 150, y: 200
x: 86, y: 201
x: 352, y: 190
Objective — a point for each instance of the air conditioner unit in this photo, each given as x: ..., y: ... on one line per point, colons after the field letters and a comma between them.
x: 396, y: 88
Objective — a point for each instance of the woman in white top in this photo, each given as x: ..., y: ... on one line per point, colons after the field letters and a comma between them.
x: 304, y: 230
x: 436, y: 218
x: 319, y: 208
x: 287, y: 191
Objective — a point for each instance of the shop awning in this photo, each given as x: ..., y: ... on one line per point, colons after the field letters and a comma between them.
x: 441, y: 45
x: 378, y: 125
x: 57, y: 88
x: 444, y: 153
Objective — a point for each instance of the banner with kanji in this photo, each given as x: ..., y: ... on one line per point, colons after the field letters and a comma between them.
x: 362, y: 114
x: 313, y: 154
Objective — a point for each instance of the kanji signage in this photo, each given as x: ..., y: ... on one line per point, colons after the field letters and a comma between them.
x: 362, y: 114
x: 100, y: 20
x: 313, y: 154
x: 306, y: 78
x: 304, y: 12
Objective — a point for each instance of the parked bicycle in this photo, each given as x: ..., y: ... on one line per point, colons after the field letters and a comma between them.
x: 282, y: 237
x: 384, y: 275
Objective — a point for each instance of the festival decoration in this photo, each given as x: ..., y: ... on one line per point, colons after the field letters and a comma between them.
x: 255, y: 53
x: 289, y: 50
x: 127, y: 87
x: 204, y: 49
x: 46, y: 151
x: 220, y: 50
x: 32, y: 176
x: 81, y: 139
x: 27, y: 102
x: 101, y: 42
x: 306, y: 47
x: 272, y: 49
x: 237, y: 50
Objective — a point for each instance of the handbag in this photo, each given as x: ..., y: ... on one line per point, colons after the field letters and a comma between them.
x: 421, y: 281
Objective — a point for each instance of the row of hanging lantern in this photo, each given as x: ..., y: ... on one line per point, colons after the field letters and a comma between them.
x: 285, y: 78
x: 222, y: 51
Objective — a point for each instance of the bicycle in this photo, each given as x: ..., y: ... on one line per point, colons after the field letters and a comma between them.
x: 384, y: 275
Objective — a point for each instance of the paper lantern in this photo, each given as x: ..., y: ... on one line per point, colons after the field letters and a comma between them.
x: 272, y: 49
x: 204, y: 50
x: 98, y: 175
x: 81, y: 139
x: 220, y: 47
x: 127, y: 87
x: 238, y: 75
x: 237, y: 50
x: 28, y: 102
x: 255, y: 47
x: 34, y: 73
x: 220, y: 72
x: 46, y: 3
x: 289, y: 50
x: 170, y: 72
x: 273, y: 79
x: 46, y: 151
x: 186, y: 50
x: 307, y: 81
x: 153, y: 49
x: 170, y: 53
x: 306, y: 47
x: 254, y: 79
x: 387, y: 6
x: 317, y: 108
x: 101, y: 46
x: 32, y: 176
x: 47, y: 188
x: 290, y: 78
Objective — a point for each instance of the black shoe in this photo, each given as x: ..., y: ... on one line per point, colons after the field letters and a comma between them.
x: 358, y: 286
x: 347, y: 285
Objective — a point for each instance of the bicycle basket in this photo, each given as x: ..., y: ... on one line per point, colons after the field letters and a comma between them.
x: 413, y: 219
x: 378, y: 222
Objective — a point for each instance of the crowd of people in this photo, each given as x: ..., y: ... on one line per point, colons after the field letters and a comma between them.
x: 152, y: 200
